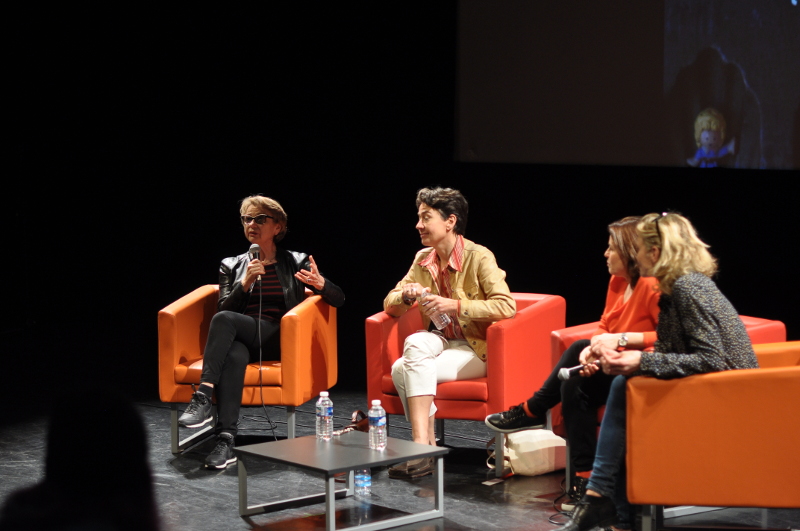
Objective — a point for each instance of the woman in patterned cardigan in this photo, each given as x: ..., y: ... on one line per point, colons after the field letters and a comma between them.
x: 699, y: 331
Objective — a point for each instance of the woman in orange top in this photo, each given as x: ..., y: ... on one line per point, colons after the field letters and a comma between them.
x: 629, y: 320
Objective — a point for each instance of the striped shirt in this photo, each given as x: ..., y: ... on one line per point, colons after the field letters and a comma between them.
x: 441, y: 277
x: 270, y: 292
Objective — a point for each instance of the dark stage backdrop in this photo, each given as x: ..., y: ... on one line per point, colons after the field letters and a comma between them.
x: 136, y: 134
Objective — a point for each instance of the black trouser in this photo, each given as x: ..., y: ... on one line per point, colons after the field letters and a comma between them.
x: 232, y: 344
x: 581, y: 398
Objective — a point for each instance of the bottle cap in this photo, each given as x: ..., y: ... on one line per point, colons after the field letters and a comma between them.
x: 376, y: 402
x: 323, y: 393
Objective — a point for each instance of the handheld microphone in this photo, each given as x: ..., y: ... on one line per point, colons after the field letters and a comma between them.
x: 255, y: 254
x: 566, y: 374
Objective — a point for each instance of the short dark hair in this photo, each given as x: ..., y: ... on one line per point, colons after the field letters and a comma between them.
x: 446, y: 201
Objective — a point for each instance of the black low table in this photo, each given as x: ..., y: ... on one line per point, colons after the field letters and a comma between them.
x: 345, y: 453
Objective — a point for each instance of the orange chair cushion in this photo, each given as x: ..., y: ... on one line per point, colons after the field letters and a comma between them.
x: 189, y: 373
x: 476, y: 389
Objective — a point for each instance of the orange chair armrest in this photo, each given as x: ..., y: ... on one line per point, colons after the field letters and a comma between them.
x: 784, y: 354
x: 385, y: 336
x: 309, y: 350
x: 518, y: 359
x: 561, y: 339
x: 182, y: 332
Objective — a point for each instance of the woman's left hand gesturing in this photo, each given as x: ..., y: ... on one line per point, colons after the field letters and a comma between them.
x: 312, y: 278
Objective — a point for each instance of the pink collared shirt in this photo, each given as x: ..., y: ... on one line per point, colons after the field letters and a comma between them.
x: 442, y: 280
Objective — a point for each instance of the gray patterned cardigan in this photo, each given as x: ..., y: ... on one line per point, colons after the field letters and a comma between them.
x: 699, y: 331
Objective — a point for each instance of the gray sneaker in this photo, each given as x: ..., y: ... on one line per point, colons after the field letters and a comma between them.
x: 222, y: 455
x: 198, y: 412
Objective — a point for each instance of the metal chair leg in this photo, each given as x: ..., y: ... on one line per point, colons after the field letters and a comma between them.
x: 439, y: 429
x: 178, y: 445
x: 652, y: 517
x: 568, y: 471
x: 291, y: 415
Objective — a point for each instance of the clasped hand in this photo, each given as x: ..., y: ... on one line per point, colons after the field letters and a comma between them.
x: 611, y: 361
x: 607, y: 340
x: 433, y: 304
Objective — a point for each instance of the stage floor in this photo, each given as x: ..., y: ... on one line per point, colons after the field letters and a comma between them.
x: 191, y: 497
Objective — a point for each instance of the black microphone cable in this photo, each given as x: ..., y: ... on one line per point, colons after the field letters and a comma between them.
x: 272, y: 425
x: 254, y: 253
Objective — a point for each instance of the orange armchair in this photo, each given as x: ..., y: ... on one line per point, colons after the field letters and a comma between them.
x: 517, y: 359
x: 720, y: 439
x: 759, y: 330
x: 308, y: 362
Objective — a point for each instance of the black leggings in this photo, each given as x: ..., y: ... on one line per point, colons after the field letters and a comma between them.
x: 232, y: 344
x: 581, y: 398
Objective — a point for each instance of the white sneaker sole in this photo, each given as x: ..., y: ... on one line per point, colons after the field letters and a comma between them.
x: 206, y: 421
x: 224, y: 465
x: 501, y: 430
x: 568, y: 507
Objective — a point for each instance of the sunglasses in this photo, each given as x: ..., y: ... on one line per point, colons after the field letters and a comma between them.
x: 658, y: 228
x: 259, y: 219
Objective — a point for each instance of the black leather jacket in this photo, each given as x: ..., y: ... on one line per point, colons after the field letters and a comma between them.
x: 232, y: 296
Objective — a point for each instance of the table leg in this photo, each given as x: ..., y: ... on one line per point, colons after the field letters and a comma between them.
x: 329, y: 496
x: 242, y: 472
x: 439, y: 475
x: 330, y: 506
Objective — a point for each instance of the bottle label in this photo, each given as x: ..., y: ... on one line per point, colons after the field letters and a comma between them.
x: 323, y: 411
x: 377, y: 421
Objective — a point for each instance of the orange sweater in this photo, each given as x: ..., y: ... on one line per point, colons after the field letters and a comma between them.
x: 638, y: 314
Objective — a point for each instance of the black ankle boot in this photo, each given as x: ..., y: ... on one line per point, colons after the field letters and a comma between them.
x: 590, y: 512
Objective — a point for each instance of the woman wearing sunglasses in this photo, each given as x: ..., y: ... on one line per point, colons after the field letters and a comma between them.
x: 254, y: 293
x: 699, y: 331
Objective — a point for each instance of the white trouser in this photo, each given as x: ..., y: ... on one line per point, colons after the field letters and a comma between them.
x: 427, y: 361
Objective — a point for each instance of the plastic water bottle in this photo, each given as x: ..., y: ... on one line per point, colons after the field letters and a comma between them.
x: 377, y: 426
x: 440, y: 320
x: 363, y: 483
x: 324, y: 417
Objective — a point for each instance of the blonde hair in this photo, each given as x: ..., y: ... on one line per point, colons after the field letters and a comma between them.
x: 682, y: 251
x: 709, y: 120
x: 269, y: 206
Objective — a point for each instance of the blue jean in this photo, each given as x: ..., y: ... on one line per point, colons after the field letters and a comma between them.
x: 608, y: 472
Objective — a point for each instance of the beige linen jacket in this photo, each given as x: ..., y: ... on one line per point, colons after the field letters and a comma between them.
x: 480, y: 286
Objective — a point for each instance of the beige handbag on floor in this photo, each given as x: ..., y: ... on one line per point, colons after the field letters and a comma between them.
x: 533, y: 452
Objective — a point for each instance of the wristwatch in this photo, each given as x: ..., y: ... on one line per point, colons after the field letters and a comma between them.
x: 623, y: 340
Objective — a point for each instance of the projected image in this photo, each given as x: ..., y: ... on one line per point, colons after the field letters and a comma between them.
x: 629, y: 83
x: 732, y: 83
